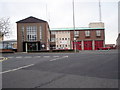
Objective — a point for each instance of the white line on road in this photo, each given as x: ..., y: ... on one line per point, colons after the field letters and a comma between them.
x: 9, y: 57
x: 46, y: 56
x: 59, y: 58
x: 28, y: 57
x: 55, y: 56
x: 16, y: 69
x: 19, y: 57
x: 37, y: 56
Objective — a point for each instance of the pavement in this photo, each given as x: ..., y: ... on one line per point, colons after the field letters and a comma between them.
x: 87, y: 69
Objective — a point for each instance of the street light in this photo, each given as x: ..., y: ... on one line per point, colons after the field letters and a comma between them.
x: 74, y: 27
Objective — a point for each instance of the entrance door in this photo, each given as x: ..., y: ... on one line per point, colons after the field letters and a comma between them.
x: 32, y: 46
x: 98, y: 44
x: 87, y: 45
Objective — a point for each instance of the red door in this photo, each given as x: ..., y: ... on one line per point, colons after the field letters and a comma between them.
x: 87, y: 45
x: 78, y: 45
x: 98, y: 44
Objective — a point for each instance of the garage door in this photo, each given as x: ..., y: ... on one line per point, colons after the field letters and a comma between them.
x: 87, y: 45
x: 98, y: 44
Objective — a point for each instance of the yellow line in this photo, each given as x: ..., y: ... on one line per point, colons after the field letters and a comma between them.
x: 3, y: 59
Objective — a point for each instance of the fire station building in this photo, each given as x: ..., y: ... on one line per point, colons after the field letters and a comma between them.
x: 90, y: 38
x: 33, y: 34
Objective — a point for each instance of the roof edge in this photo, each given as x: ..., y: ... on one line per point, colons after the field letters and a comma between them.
x: 78, y: 28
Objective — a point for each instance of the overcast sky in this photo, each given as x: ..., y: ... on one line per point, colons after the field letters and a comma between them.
x: 59, y: 13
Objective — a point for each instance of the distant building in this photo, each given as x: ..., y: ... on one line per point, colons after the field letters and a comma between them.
x: 9, y: 44
x: 90, y: 38
x: 33, y: 34
x: 118, y: 41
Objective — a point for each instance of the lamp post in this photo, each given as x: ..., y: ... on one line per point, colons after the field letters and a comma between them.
x: 74, y: 26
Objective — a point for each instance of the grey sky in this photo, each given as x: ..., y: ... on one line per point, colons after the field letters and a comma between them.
x: 58, y: 13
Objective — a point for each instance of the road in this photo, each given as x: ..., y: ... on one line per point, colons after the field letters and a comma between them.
x: 86, y: 69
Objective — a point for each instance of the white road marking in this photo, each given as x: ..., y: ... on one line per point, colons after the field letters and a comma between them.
x: 59, y: 58
x: 37, y: 56
x: 19, y: 57
x: 28, y: 57
x: 9, y: 57
x: 16, y: 69
x: 46, y: 56
x: 55, y: 56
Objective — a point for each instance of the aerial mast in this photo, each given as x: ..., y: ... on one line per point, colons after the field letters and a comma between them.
x: 100, y: 11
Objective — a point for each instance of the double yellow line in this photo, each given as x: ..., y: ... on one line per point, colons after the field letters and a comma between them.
x: 3, y: 59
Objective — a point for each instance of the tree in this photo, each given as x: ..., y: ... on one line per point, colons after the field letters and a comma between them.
x: 4, y: 27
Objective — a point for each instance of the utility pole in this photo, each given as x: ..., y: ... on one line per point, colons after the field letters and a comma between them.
x: 74, y: 26
x: 100, y: 11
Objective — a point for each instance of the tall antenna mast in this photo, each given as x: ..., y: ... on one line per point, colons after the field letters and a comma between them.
x: 47, y: 17
x: 100, y: 11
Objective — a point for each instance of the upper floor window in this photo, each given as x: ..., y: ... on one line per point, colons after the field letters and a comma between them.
x: 53, y: 33
x: 22, y: 29
x: 31, y: 33
x: 40, y: 32
x: 76, y: 33
x: 98, y: 33
x: 87, y: 33
x: 52, y: 39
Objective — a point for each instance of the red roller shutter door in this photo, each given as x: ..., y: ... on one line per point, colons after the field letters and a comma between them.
x: 87, y: 45
x: 78, y: 45
x: 98, y: 44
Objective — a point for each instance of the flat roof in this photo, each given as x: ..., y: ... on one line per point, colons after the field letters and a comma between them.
x: 78, y: 28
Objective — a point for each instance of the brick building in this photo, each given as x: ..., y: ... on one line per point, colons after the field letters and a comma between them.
x: 33, y: 34
x: 90, y: 38
x: 118, y: 41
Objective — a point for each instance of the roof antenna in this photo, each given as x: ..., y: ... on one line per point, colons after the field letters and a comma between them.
x: 47, y: 14
x: 100, y: 11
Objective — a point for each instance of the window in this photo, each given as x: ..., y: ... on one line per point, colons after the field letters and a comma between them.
x: 62, y: 38
x: 53, y: 33
x: 22, y: 29
x: 76, y: 33
x: 31, y: 33
x: 65, y: 38
x: 52, y: 39
x: 87, y: 33
x: 40, y: 32
x: 98, y: 33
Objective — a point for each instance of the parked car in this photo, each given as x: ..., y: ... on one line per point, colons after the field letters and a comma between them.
x: 104, y: 48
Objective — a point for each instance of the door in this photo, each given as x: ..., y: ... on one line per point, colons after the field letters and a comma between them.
x: 98, y: 44
x: 87, y: 45
x: 32, y: 46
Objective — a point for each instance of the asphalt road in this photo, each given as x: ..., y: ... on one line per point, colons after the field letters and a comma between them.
x: 86, y: 69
